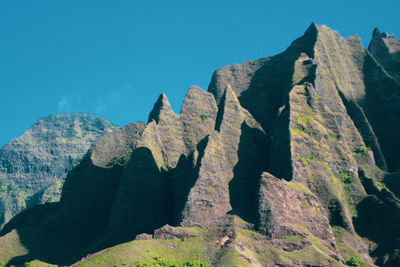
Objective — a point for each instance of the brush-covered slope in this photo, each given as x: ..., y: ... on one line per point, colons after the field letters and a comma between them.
x: 290, y: 160
x: 33, y: 167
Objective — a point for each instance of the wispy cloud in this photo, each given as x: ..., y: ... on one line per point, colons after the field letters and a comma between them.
x: 99, y: 104
x: 117, y: 95
x: 113, y: 98
x: 69, y: 103
x: 65, y: 104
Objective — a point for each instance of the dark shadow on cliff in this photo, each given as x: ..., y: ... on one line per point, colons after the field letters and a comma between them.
x: 267, y: 100
x: 101, y: 207
x: 267, y: 93
x: 244, y: 186
x: 182, y: 179
x: 139, y: 205
x: 382, y: 108
x: 379, y: 220
x: 392, y: 181
x: 62, y: 233
x: 149, y: 197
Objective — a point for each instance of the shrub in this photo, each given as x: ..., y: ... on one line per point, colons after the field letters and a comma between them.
x: 361, y: 149
x: 346, y: 176
x: 205, y: 117
x: 354, y: 261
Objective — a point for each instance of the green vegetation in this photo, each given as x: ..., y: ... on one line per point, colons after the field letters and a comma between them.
x: 346, y: 176
x: 335, y: 138
x: 355, y: 261
x: 344, y: 241
x: 162, y: 262
x: 299, y: 187
x: 305, y: 119
x: 380, y: 185
x: 196, y: 251
x: 296, y: 130
x: 11, y: 246
x: 205, y: 117
x: 361, y: 149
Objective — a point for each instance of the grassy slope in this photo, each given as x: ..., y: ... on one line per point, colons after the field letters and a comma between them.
x: 11, y: 246
x: 248, y: 249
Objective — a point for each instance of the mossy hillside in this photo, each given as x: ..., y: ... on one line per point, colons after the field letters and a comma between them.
x: 292, y: 123
x: 329, y: 155
x: 210, y: 196
x: 11, y: 246
x: 340, y: 63
x: 34, y: 165
x: 352, y: 246
x: 266, y: 251
x: 203, y: 248
x: 248, y: 248
x: 345, y: 66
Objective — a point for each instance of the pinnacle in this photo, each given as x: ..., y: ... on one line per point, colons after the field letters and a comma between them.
x: 162, y: 103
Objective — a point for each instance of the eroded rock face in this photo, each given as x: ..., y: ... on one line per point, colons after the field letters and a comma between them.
x: 285, y: 205
x: 298, y: 146
x: 33, y: 167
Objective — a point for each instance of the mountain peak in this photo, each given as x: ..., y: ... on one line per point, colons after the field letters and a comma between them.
x: 286, y: 160
x: 35, y: 164
x: 162, y: 105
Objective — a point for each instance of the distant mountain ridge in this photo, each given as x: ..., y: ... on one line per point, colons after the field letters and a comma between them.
x: 33, y: 167
x: 290, y: 160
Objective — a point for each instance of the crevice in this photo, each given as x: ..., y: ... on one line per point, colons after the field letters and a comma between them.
x: 220, y: 113
x: 368, y: 183
x: 337, y: 214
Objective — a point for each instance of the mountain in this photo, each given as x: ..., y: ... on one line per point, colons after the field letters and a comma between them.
x: 290, y: 160
x: 33, y: 167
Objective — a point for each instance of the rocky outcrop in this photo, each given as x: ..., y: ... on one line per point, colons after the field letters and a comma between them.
x: 33, y: 167
x: 386, y: 50
x: 169, y: 232
x: 294, y: 149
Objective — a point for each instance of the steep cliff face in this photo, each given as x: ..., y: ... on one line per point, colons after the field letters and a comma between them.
x: 33, y: 167
x: 290, y: 160
x: 386, y: 50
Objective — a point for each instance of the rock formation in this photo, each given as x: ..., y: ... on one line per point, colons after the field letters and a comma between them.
x: 290, y: 160
x: 33, y: 167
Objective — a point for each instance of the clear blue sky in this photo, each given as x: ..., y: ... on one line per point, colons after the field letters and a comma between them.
x: 114, y: 58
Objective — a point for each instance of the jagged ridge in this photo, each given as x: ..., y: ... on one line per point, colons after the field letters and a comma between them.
x: 296, y: 145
